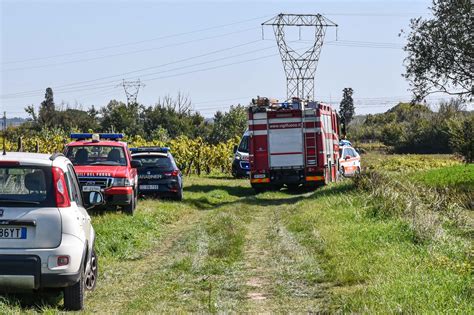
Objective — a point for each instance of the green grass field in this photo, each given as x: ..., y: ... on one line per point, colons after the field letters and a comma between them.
x: 225, y: 249
x: 457, y: 176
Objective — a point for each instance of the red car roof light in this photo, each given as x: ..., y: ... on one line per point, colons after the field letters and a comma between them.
x: 60, y: 188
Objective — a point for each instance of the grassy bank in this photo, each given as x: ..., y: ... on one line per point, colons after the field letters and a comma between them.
x: 373, y: 263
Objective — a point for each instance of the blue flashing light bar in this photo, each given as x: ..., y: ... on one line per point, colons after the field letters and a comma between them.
x: 107, y: 136
x: 344, y: 143
x: 150, y: 149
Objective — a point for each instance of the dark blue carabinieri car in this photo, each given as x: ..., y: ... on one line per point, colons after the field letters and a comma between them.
x: 158, y: 174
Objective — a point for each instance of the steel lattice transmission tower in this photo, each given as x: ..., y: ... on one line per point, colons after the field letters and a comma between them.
x: 131, y: 89
x: 300, y: 68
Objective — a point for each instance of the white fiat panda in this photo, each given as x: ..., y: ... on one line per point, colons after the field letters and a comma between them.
x: 46, y: 236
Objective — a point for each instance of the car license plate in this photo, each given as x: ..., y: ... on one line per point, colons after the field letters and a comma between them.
x: 90, y: 188
x: 149, y: 187
x: 12, y: 232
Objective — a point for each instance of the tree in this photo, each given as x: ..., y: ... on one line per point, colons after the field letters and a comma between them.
x: 47, y: 111
x: 440, y: 50
x: 229, y: 125
x: 346, y: 109
x: 462, y: 136
x: 30, y: 110
x: 120, y: 117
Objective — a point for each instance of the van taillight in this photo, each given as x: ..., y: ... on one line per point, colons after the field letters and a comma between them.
x: 60, y: 188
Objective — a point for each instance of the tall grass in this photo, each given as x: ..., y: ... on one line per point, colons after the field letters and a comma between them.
x: 375, y: 260
x: 426, y: 210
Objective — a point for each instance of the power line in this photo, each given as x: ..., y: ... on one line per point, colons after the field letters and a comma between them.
x: 126, y: 53
x: 138, y: 42
x: 33, y: 92
x: 80, y: 83
x: 95, y: 86
x: 402, y: 14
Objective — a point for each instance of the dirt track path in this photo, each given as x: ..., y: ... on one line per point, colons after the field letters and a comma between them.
x: 277, y: 267
x: 123, y: 280
x: 273, y: 273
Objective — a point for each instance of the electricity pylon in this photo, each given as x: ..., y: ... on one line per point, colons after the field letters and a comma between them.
x: 300, y: 68
x: 131, y: 89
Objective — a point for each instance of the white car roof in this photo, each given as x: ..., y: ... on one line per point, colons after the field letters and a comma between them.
x: 26, y: 158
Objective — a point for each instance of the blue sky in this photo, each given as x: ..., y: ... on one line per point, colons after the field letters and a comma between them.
x: 212, y: 51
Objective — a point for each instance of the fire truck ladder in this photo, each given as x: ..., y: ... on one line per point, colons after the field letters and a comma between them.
x: 309, y: 137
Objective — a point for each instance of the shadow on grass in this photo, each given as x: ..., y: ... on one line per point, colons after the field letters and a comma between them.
x: 227, y: 177
x: 33, y: 301
x: 248, y: 196
x: 331, y: 190
x: 237, y: 191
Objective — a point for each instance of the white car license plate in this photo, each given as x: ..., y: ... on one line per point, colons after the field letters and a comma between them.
x: 149, y: 187
x: 90, y: 188
x: 12, y: 232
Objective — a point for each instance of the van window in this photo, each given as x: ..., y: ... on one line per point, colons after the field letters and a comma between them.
x: 244, y: 145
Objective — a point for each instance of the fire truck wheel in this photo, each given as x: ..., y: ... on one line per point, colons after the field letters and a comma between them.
x: 130, y: 208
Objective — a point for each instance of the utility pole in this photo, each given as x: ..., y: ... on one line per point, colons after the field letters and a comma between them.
x: 300, y: 68
x: 131, y: 89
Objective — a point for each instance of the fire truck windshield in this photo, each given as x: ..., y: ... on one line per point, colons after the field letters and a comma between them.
x: 97, y: 155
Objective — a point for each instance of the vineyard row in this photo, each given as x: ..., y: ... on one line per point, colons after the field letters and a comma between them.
x: 193, y: 156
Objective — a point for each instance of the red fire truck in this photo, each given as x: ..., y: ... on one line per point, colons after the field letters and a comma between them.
x: 292, y: 143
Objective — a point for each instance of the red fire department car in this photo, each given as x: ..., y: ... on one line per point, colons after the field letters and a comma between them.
x: 103, y: 163
x: 293, y: 144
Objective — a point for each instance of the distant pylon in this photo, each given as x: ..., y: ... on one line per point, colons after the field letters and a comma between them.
x: 131, y: 89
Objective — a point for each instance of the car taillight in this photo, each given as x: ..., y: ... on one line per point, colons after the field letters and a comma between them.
x: 60, y: 188
x: 173, y: 173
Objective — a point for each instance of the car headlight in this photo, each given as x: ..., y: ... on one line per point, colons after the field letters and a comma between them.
x: 238, y: 157
x: 121, y: 182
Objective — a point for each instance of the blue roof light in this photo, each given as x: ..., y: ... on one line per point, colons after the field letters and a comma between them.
x: 344, y: 143
x: 111, y: 136
x: 107, y: 136
x: 150, y: 149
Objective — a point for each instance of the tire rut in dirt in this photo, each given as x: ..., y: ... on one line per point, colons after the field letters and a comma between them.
x: 120, y: 282
x: 281, y: 275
